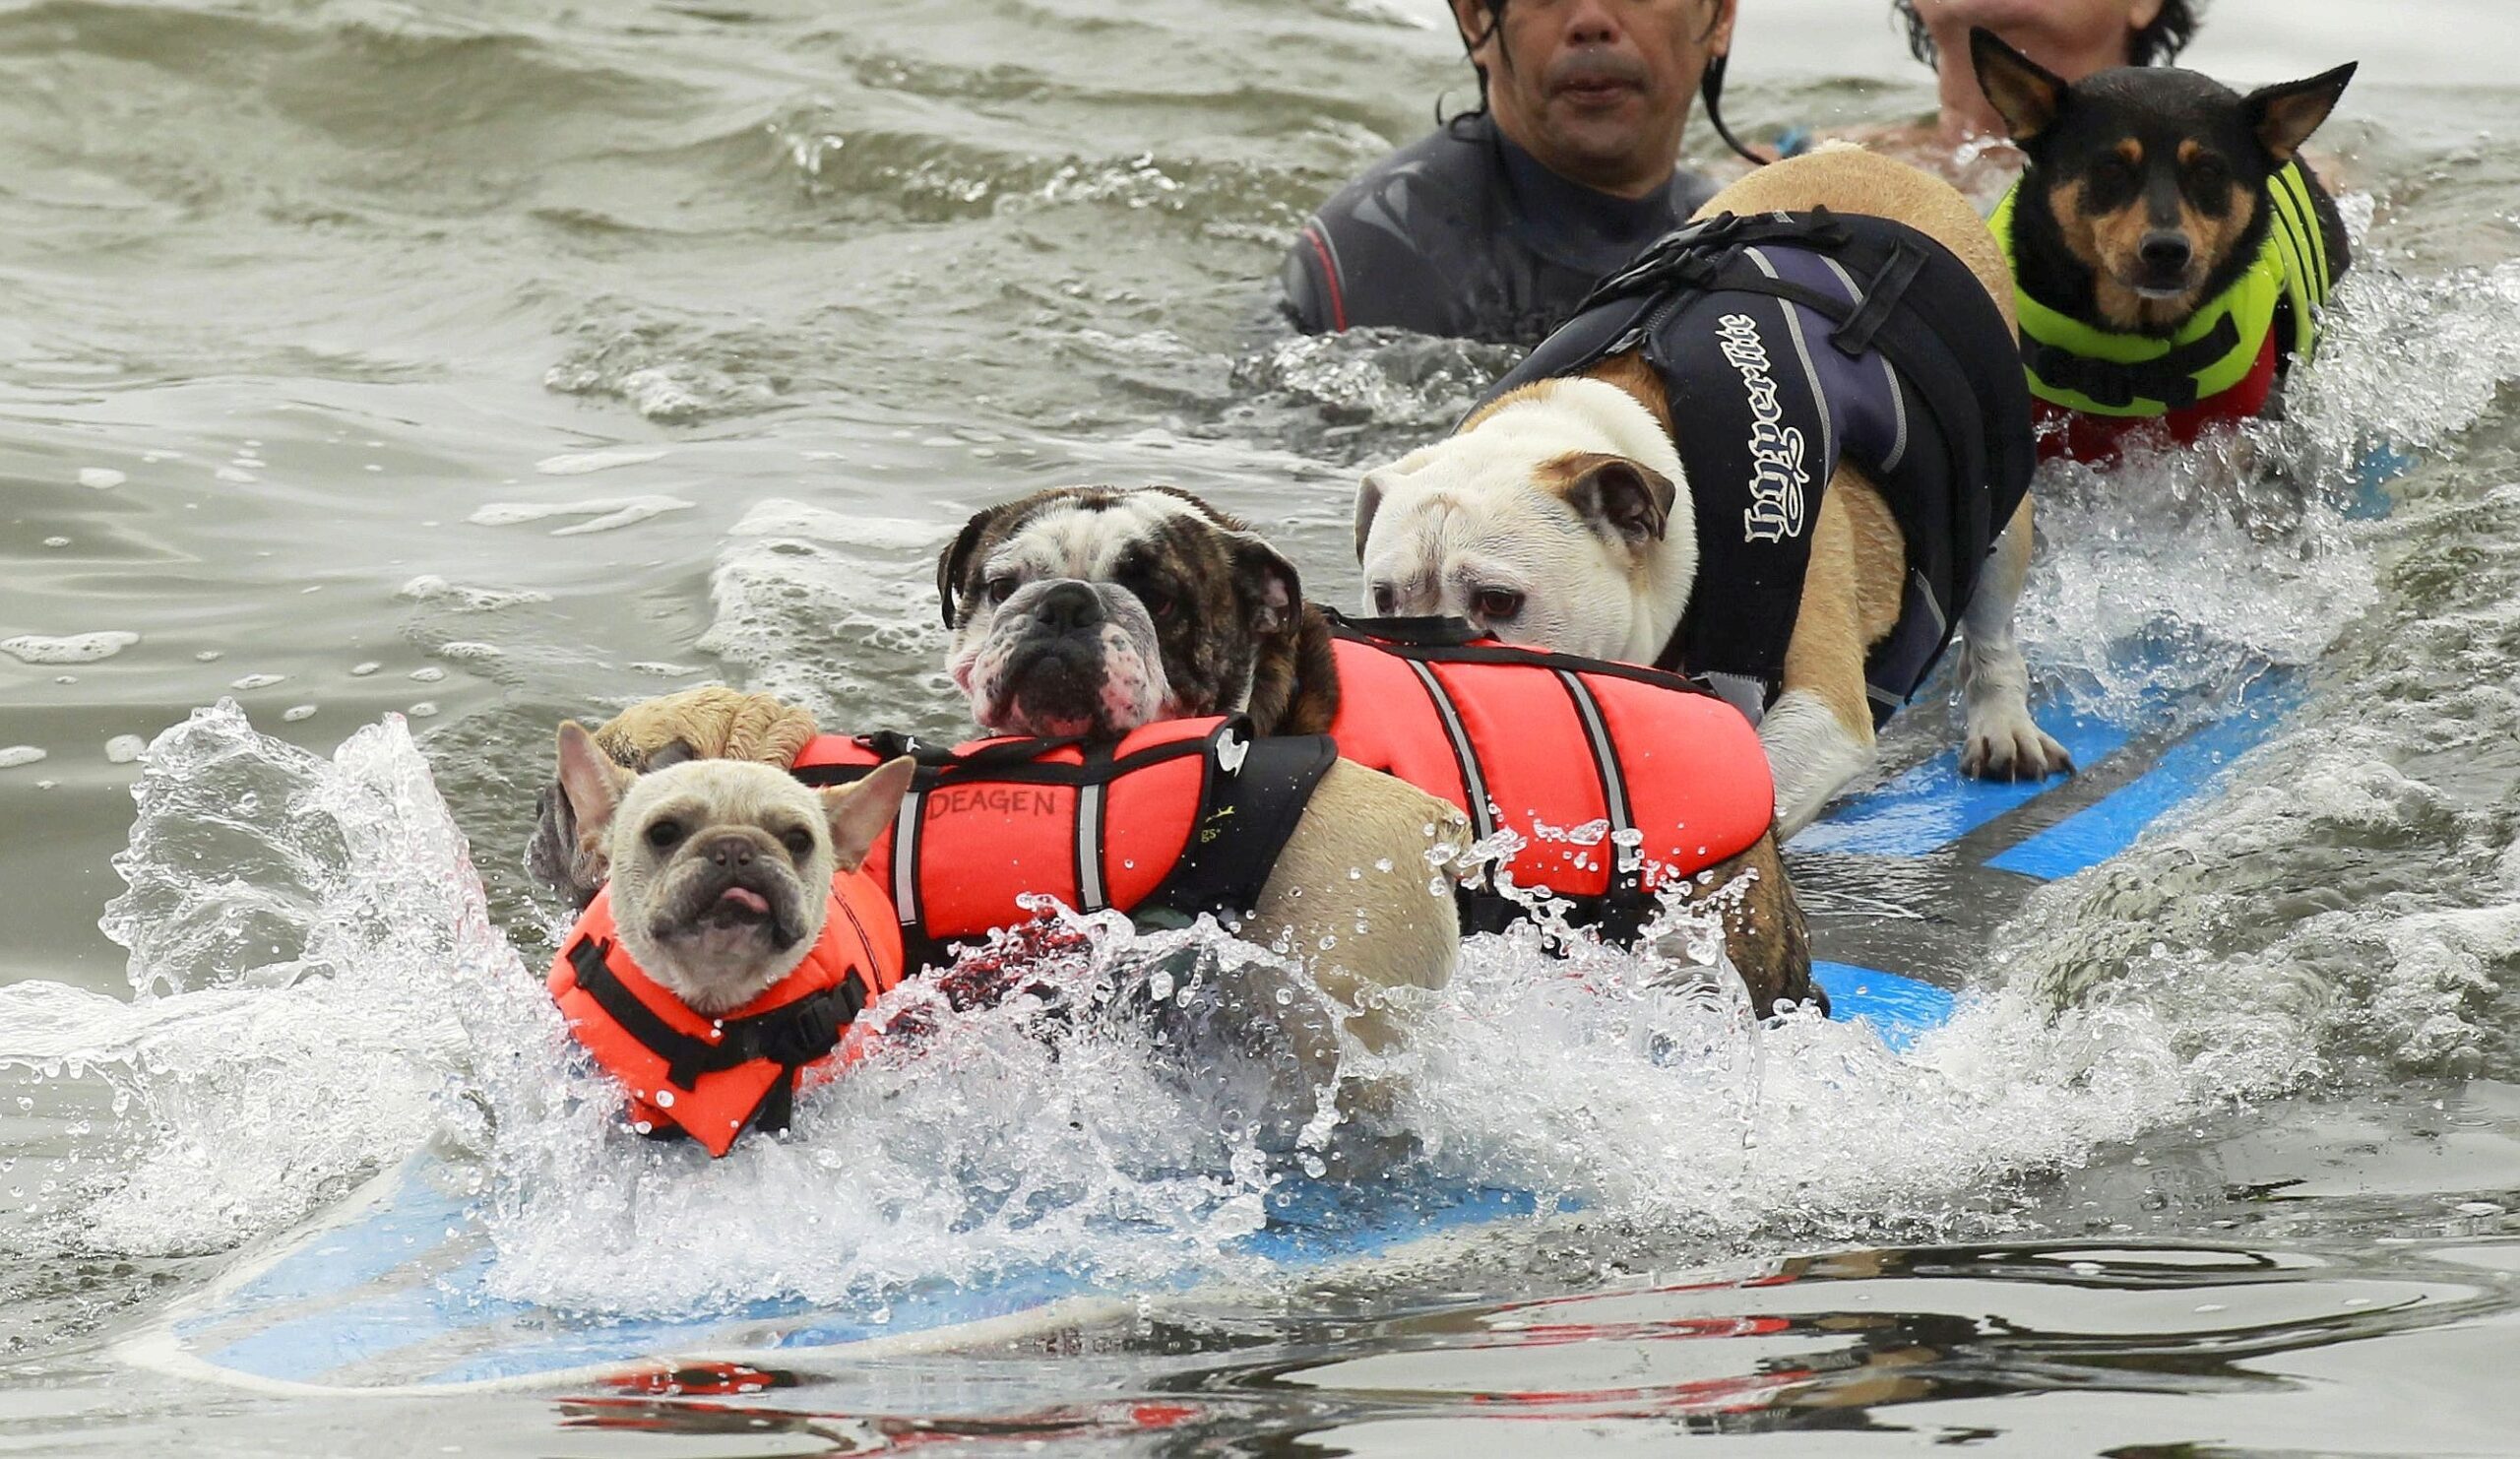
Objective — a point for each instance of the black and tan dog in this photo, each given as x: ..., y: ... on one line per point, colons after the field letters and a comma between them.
x: 2170, y: 247
x: 1098, y: 608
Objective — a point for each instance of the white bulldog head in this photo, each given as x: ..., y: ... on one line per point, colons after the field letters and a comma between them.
x: 1548, y: 520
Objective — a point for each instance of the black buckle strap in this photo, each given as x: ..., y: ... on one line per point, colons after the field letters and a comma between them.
x: 1693, y: 259
x: 792, y: 1034
x: 2170, y: 378
x: 1881, y: 295
x: 1433, y: 631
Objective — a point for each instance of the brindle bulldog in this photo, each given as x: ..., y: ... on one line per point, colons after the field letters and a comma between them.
x: 1053, y: 598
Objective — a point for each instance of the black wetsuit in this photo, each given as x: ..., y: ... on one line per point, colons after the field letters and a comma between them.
x: 1463, y: 233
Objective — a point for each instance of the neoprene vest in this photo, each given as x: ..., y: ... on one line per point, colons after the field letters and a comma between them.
x: 1789, y: 343
x: 712, y: 1078
x: 1178, y: 818
x: 1619, y: 781
x: 2221, y: 366
x: 1463, y: 233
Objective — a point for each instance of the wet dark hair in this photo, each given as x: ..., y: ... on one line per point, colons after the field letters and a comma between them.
x: 2156, y: 45
x: 1469, y: 45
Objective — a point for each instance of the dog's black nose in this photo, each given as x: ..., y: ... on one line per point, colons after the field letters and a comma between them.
x: 731, y: 851
x: 2166, y: 252
x: 1067, y: 606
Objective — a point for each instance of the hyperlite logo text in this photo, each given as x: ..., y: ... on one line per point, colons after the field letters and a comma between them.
x: 1777, y: 476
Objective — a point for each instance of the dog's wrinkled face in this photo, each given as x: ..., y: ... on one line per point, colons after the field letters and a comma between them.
x: 2156, y: 178
x: 1091, y: 611
x: 1519, y: 525
x: 720, y: 869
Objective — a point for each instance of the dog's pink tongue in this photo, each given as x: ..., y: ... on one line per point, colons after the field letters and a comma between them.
x: 746, y: 898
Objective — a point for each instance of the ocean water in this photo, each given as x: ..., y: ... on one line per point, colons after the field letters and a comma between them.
x: 411, y: 377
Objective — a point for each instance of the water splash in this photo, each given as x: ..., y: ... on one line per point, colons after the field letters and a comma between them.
x: 314, y: 965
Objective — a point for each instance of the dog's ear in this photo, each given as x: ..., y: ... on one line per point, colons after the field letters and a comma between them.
x: 1269, y: 583
x: 1369, y: 495
x: 2025, y: 93
x: 592, y: 783
x: 1621, y: 498
x: 2284, y: 116
x: 861, y: 812
x: 956, y: 557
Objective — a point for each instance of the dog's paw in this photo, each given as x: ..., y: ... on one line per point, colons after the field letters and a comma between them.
x: 2013, y: 748
x: 712, y: 723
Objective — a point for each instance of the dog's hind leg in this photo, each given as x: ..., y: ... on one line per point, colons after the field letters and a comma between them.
x: 1818, y: 734
x: 2003, y: 741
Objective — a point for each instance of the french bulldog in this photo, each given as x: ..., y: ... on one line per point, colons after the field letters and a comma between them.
x: 720, y: 869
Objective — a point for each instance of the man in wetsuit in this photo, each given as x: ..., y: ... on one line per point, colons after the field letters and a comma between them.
x: 1496, y: 225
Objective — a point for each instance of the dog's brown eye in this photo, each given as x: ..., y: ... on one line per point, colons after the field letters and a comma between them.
x: 799, y: 844
x: 1495, y: 603
x: 664, y: 834
x: 1159, y: 605
x: 1385, y: 600
x: 1001, y: 587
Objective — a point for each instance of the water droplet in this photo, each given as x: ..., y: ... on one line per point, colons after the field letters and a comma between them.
x: 663, y: 1099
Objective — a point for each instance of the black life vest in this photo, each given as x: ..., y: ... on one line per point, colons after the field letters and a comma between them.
x: 1178, y: 818
x: 1788, y: 342
x: 1670, y: 778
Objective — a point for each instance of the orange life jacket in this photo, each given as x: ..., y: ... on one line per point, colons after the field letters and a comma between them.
x: 1672, y: 777
x: 711, y: 1078
x: 1180, y: 817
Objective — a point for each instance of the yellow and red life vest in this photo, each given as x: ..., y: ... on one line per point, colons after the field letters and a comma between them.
x: 2094, y: 386
x: 1180, y: 817
x: 712, y: 1078
x: 1543, y: 744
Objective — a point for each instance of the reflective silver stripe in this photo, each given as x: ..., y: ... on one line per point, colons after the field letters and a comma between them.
x: 1625, y: 853
x: 1089, y: 850
x: 1474, y: 786
x: 1810, y: 372
x: 906, y: 858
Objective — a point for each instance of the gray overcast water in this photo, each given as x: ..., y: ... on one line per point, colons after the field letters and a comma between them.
x: 490, y: 362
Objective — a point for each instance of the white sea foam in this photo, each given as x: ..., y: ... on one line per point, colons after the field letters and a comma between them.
x: 812, y: 604
x: 68, y: 648
x: 100, y: 478
x: 466, y: 598
x: 15, y: 755
x: 580, y: 462
x: 603, y: 514
x: 314, y: 962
